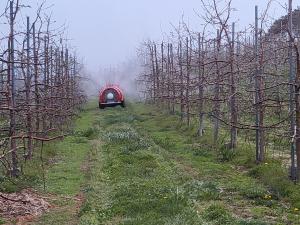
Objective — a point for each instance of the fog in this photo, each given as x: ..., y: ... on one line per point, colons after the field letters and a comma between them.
x: 107, y: 33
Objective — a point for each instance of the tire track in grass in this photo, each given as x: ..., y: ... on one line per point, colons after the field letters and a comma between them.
x: 136, y: 181
x: 66, y: 176
x: 139, y: 185
x: 136, y: 167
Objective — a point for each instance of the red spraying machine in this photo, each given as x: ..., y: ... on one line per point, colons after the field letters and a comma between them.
x: 110, y: 96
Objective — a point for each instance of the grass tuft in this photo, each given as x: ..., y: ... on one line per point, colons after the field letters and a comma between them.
x: 218, y: 214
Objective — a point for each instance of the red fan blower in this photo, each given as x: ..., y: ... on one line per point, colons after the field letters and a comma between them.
x: 110, y: 96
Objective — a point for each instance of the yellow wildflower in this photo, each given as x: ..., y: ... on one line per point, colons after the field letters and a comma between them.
x: 268, y: 197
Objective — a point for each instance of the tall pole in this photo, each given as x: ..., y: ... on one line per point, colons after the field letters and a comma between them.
x: 13, y: 147
x: 233, y: 131
x: 188, y: 68
x: 73, y: 81
x: 45, y: 83
x: 28, y: 90
x: 200, y: 85
x: 216, y: 104
x: 156, y: 75
x: 256, y: 89
x: 36, y: 84
x: 162, y: 89
x: 152, y: 92
x: 1, y: 77
x: 292, y: 92
x: 180, y: 55
x: 168, y: 78
x: 172, y: 81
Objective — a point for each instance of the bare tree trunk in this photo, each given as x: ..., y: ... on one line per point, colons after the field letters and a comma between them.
x: 216, y: 104
x: 12, y: 100
x: 46, y: 84
x: 180, y: 56
x: 188, y: 71
x: 260, y: 144
x: 51, y: 83
x: 168, y: 79
x: 156, y: 75
x: 162, y: 86
x: 297, y: 108
x: 200, y: 84
x: 36, y: 81
x: 233, y: 107
x: 28, y: 93
x: 152, y: 74
x: 172, y: 81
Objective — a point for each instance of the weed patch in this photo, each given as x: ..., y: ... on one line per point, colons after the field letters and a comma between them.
x: 202, y: 191
x: 217, y: 214
x: 2, y: 221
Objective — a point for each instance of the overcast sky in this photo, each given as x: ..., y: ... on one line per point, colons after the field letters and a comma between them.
x: 108, y: 32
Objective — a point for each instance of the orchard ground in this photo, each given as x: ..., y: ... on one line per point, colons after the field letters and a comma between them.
x: 141, y: 166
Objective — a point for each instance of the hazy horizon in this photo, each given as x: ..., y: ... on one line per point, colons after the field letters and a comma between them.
x: 107, y: 33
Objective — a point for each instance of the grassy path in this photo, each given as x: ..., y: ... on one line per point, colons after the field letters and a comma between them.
x: 66, y: 172
x: 135, y: 166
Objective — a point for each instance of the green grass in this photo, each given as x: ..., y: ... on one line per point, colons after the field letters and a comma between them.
x: 66, y: 177
x: 142, y: 187
x: 63, y: 172
x: 149, y: 169
x: 247, y: 189
x: 140, y: 166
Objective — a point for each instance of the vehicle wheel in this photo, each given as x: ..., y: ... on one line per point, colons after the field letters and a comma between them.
x: 101, y: 106
x: 123, y: 104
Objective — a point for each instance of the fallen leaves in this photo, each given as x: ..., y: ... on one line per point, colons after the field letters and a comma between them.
x: 26, y: 204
